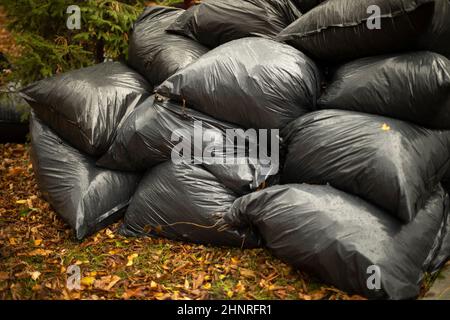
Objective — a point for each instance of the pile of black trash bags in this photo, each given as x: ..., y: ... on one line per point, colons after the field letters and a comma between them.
x: 356, y: 94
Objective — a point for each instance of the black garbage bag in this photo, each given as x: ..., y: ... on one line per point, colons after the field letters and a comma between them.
x: 86, y: 197
x: 412, y: 86
x: 339, y: 30
x: 183, y: 202
x: 215, y: 22
x: 159, y: 129
x: 85, y: 106
x: 391, y: 163
x: 344, y: 240
x: 437, y: 37
x: 155, y: 53
x: 14, y: 112
x: 441, y: 252
x: 252, y: 82
x: 245, y: 178
x: 306, y: 5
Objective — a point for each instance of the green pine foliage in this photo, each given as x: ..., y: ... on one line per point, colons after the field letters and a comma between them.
x: 48, y: 47
x: 43, y: 58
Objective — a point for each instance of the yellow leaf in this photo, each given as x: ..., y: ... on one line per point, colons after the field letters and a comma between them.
x: 93, y: 273
x: 162, y: 296
x: 385, y: 127
x: 304, y: 296
x: 35, y: 275
x: 109, y: 233
x: 240, y: 287
x: 37, y: 242
x: 153, y: 285
x: 40, y: 252
x: 87, y: 281
x: 221, y: 277
x: 12, y: 241
x: 131, y: 258
x: 234, y: 261
x: 207, y: 286
x: 230, y: 294
x: 21, y: 201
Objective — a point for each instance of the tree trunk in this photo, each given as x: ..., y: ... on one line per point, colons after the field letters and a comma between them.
x: 100, y: 51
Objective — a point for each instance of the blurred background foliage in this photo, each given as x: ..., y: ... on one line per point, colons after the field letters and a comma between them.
x: 45, y: 46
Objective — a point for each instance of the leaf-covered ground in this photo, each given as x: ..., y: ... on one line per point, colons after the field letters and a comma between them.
x: 36, y: 248
x: 7, y: 44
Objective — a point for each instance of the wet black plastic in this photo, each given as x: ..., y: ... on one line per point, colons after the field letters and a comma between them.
x: 159, y: 127
x: 437, y: 37
x: 156, y: 54
x: 86, y: 197
x: 391, y: 163
x: 344, y: 240
x: 183, y: 202
x: 306, y: 5
x: 215, y: 22
x: 338, y: 30
x: 413, y: 86
x: 85, y: 106
x: 252, y: 82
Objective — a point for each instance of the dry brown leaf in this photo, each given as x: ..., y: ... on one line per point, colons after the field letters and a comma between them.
x: 106, y: 283
x: 198, y: 281
x: 133, y: 293
x: 39, y: 252
x: 304, y: 296
x: 318, y: 294
x: 4, y: 276
x: 247, y: 273
x: 162, y: 296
